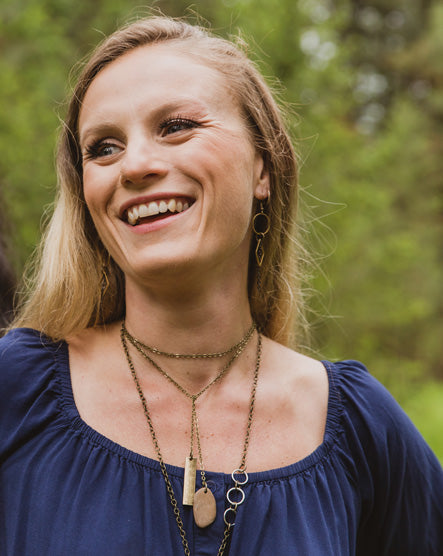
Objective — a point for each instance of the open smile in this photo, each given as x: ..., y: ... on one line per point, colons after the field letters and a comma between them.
x: 154, y: 210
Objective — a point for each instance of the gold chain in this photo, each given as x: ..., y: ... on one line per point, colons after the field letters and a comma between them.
x: 240, y: 345
x: 241, y: 469
x: 220, y: 375
x: 193, y: 397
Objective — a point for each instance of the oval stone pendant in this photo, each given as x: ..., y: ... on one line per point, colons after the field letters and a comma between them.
x: 204, y: 507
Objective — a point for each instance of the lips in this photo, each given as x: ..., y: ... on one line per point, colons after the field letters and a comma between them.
x: 152, y: 210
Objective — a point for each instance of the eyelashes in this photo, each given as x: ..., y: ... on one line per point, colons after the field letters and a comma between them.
x: 170, y: 126
x: 176, y: 124
x: 100, y: 149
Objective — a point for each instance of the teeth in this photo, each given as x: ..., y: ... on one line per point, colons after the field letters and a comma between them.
x: 154, y: 208
x: 143, y: 211
x: 132, y: 219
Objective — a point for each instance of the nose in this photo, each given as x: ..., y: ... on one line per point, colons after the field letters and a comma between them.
x: 142, y: 162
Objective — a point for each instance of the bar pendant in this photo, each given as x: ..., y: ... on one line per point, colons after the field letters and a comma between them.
x: 189, y: 482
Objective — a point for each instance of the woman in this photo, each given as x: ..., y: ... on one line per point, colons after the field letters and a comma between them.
x: 144, y: 412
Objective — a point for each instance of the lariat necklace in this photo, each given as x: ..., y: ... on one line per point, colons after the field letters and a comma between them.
x: 203, y: 500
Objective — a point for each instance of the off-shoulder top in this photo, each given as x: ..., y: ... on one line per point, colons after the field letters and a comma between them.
x: 372, y: 488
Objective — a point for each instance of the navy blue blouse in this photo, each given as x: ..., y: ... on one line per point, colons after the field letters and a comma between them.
x: 373, y: 487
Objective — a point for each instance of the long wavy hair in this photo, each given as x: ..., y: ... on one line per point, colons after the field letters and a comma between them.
x: 65, y: 280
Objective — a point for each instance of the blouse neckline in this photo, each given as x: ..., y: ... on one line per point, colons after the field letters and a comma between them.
x: 69, y: 408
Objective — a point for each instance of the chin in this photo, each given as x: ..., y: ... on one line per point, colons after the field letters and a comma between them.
x: 162, y: 270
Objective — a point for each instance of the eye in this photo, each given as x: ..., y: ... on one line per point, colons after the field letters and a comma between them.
x: 101, y: 149
x: 177, y: 124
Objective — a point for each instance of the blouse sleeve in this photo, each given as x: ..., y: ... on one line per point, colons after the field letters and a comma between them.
x: 400, y: 479
x: 27, y: 400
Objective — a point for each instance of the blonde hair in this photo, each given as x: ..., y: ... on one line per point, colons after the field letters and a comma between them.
x: 66, y: 292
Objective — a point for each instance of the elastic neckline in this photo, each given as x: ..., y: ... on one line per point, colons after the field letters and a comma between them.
x: 69, y: 408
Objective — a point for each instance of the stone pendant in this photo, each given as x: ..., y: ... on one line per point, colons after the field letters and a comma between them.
x: 204, y: 507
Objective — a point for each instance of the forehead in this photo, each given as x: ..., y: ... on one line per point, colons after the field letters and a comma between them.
x: 155, y: 75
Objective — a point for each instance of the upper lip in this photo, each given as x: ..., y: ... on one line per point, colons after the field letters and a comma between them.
x: 146, y: 199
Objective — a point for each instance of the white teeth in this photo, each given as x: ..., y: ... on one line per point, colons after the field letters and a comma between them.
x: 133, y: 216
x: 154, y: 208
x: 132, y: 219
x: 143, y: 211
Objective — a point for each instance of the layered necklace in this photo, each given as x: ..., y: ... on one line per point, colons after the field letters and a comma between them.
x: 203, y: 501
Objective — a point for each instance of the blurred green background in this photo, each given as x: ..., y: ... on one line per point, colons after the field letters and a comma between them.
x: 364, y: 80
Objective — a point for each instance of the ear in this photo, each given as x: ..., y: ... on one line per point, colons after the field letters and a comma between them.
x: 262, y: 181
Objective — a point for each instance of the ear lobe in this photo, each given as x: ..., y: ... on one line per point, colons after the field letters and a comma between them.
x: 263, y: 182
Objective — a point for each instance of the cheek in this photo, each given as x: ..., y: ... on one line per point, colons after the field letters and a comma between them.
x: 233, y: 172
x: 96, y: 207
x: 89, y: 189
x: 234, y: 194
x: 95, y: 191
x: 233, y: 209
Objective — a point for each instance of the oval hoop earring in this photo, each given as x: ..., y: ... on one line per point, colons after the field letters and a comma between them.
x: 105, y: 280
x: 104, y: 286
x: 261, y: 225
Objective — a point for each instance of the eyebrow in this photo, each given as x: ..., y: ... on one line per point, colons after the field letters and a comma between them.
x: 104, y: 127
x: 101, y: 128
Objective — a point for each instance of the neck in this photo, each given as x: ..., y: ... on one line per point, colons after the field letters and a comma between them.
x: 197, y: 321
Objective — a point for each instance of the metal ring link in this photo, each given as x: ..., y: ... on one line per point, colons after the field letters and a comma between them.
x: 225, y: 518
x: 265, y: 223
x: 239, y: 472
x: 242, y: 494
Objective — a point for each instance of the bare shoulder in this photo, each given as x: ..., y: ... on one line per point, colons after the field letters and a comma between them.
x: 99, y: 386
x: 91, y: 341
x: 294, y: 401
x: 95, y: 357
x: 295, y: 370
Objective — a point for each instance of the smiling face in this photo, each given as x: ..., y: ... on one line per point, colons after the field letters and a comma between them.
x: 169, y: 168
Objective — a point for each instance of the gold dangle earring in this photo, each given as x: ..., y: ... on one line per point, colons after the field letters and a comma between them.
x: 261, y: 225
x: 105, y: 279
x: 104, y: 286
